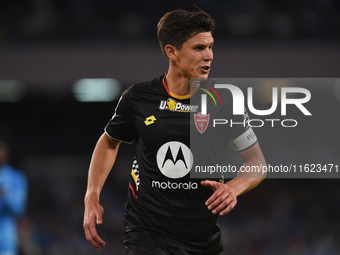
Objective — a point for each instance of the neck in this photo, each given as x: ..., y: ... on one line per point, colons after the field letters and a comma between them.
x: 179, y: 85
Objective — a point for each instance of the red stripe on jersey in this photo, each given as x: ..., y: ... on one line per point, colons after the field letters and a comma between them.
x: 133, y: 191
x: 166, y: 88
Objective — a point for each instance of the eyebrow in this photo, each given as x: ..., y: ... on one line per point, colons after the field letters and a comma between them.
x: 200, y: 43
x: 203, y: 44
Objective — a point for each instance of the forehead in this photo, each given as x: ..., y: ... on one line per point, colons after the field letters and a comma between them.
x: 201, y: 38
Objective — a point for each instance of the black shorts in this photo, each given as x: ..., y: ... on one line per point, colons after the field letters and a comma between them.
x: 142, y: 243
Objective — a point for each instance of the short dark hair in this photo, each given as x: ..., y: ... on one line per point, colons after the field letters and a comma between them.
x: 177, y: 26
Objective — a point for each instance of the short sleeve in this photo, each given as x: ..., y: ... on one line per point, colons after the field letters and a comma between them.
x: 121, y: 126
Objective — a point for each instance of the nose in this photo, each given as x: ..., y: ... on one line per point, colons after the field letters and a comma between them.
x: 208, y: 55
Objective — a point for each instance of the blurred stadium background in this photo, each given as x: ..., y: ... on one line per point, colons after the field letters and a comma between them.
x: 52, y: 53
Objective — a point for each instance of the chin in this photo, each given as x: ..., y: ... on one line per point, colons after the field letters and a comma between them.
x: 201, y: 76
x: 204, y: 76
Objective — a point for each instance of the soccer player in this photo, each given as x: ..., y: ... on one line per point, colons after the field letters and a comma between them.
x: 167, y: 212
x: 13, y: 193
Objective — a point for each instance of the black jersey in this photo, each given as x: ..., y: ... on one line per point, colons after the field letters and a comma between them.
x: 163, y: 200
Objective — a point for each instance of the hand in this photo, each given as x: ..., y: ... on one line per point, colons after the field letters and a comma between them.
x: 93, y: 215
x: 223, y: 200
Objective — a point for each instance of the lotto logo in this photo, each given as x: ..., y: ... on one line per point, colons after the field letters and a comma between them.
x: 150, y: 120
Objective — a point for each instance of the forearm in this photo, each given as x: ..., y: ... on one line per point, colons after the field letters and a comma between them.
x: 103, y: 158
x: 246, y: 180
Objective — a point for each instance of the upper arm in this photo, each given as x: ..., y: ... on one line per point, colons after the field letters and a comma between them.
x: 112, y: 143
x: 252, y: 153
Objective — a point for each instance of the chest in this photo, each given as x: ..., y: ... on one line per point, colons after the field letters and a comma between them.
x: 162, y: 119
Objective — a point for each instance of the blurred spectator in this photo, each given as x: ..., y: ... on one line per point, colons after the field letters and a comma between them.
x: 117, y: 20
x: 13, y: 193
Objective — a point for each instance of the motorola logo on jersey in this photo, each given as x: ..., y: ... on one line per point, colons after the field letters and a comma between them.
x: 174, y: 159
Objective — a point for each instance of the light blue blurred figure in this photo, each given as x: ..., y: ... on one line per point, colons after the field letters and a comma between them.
x: 13, y: 194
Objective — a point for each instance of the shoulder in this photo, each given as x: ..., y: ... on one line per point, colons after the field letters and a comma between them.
x: 13, y: 173
x: 146, y: 86
x: 144, y: 89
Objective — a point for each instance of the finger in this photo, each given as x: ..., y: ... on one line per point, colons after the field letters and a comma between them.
x: 229, y: 208
x: 215, y: 199
x: 214, y: 186
x: 99, y: 218
x: 90, y: 239
x: 92, y: 235
x: 211, y: 184
x: 224, y: 199
x: 205, y: 183
x: 222, y: 205
x: 99, y: 243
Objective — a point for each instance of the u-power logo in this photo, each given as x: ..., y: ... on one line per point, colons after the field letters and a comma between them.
x: 239, y: 106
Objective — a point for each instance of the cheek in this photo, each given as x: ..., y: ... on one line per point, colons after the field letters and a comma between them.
x: 189, y: 62
x: 193, y: 62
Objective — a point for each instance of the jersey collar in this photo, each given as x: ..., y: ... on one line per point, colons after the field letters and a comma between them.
x: 172, y: 94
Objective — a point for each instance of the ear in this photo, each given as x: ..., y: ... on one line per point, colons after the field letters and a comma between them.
x: 171, y: 52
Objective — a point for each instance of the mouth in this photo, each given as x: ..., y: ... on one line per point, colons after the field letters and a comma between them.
x: 205, y: 69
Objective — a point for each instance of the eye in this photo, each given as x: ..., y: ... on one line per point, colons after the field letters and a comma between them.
x: 200, y: 47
